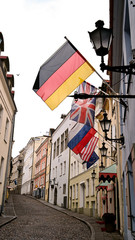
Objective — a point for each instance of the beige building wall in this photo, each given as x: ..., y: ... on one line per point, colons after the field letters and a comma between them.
x: 82, y: 196
x: 7, y: 113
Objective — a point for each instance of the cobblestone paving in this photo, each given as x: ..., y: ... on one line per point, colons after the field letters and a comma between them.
x: 36, y: 221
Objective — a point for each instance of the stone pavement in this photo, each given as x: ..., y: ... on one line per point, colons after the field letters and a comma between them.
x: 95, y: 228
x: 91, y: 222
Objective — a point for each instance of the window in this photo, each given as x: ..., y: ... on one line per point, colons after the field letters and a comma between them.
x: 6, y: 130
x: 130, y: 189
x: 62, y: 142
x: 54, y: 150
x: 44, y: 151
x: 43, y: 165
x: 56, y: 171
x: 66, y: 138
x: 71, y: 170
x: 92, y: 187
x: 60, y: 169
x: 64, y: 188
x: 75, y: 168
x: 58, y: 146
x: 1, y: 114
x: 40, y: 155
x: 87, y: 187
x: 1, y: 170
x: 53, y: 173
x: 64, y: 167
x: 73, y: 191
x: 77, y: 191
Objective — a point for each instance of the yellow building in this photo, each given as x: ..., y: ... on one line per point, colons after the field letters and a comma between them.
x: 82, y: 195
x: 83, y: 181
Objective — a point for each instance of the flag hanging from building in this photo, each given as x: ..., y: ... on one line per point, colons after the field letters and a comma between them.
x: 83, y: 110
x: 88, y: 149
x: 79, y: 136
x: 61, y: 74
x: 94, y: 157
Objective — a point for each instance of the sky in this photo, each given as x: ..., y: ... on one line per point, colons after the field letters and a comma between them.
x: 33, y: 30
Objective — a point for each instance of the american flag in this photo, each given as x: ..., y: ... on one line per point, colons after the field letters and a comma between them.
x: 83, y: 110
x: 88, y: 150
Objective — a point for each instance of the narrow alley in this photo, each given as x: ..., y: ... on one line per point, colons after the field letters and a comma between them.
x: 37, y: 221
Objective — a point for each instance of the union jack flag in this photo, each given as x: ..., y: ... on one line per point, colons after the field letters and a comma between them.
x: 88, y: 150
x: 83, y: 110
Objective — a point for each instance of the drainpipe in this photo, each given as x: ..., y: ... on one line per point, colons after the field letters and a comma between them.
x: 50, y: 168
x: 46, y: 165
x: 69, y: 179
x: 31, y: 181
x: 119, y: 171
x: 8, y: 160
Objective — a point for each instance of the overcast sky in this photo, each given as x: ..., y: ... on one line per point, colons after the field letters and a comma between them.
x: 33, y: 30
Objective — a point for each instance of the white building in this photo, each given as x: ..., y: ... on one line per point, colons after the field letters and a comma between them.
x: 59, y: 175
x: 29, y: 162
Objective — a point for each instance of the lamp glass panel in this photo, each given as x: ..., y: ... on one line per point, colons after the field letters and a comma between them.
x: 105, y: 125
x: 106, y: 37
x: 103, y: 150
x: 95, y: 39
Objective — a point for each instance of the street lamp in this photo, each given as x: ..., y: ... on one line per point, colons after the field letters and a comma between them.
x: 101, y: 166
x: 93, y: 174
x: 105, y: 125
x: 101, y: 39
x: 103, y: 150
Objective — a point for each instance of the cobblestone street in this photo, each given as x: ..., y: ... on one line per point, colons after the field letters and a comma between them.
x: 37, y: 221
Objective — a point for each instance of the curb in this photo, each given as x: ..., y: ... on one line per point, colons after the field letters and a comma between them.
x: 8, y: 221
x: 12, y: 218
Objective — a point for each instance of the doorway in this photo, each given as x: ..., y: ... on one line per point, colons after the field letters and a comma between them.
x: 55, y: 196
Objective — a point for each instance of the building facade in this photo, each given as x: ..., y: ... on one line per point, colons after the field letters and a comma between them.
x: 82, y: 196
x: 16, y: 173
x: 40, y: 169
x: 123, y: 53
x: 7, y: 117
x: 82, y: 192
x: 29, y: 164
x: 59, y: 174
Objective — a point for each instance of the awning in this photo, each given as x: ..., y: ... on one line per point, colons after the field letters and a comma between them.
x: 108, y: 173
x: 103, y: 185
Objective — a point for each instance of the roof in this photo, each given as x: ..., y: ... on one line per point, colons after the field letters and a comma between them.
x: 103, y: 185
x: 108, y: 173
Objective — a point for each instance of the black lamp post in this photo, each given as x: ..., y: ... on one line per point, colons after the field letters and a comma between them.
x: 93, y: 174
x: 101, y: 39
x: 101, y: 166
x: 103, y: 150
x: 105, y: 125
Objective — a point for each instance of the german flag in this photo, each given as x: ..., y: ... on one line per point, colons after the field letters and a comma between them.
x: 61, y: 74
